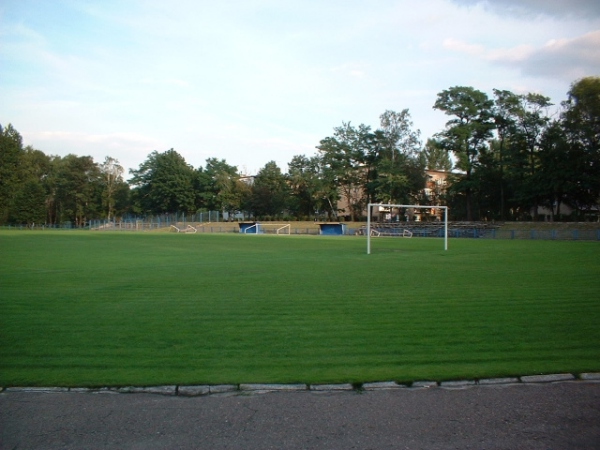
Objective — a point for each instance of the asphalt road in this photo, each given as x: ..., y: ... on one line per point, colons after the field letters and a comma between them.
x: 523, y: 416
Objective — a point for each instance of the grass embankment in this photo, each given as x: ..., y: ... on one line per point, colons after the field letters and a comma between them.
x: 296, y: 227
x: 97, y: 309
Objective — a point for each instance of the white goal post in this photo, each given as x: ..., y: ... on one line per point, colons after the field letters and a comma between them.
x: 386, y: 205
x: 273, y: 228
x: 279, y: 228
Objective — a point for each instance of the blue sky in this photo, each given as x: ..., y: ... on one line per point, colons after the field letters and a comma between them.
x: 255, y: 81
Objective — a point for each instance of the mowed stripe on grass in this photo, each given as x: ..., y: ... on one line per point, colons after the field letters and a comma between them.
x: 92, y: 309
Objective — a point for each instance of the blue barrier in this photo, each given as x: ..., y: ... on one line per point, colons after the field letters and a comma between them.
x: 249, y: 227
x: 333, y: 229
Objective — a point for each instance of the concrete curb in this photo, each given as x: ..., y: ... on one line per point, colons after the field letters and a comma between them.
x: 590, y: 376
x: 193, y: 391
x: 460, y: 384
x: 36, y: 389
x: 331, y: 387
x: 382, y: 385
x: 423, y: 384
x: 493, y: 381
x: 163, y: 390
x: 273, y: 387
x: 548, y: 378
x: 241, y: 389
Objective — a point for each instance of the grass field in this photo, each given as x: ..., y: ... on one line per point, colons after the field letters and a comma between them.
x: 108, y: 309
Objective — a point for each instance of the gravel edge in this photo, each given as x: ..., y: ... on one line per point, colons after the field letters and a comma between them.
x: 250, y: 389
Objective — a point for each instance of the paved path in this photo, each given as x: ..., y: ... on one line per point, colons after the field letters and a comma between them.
x: 530, y: 416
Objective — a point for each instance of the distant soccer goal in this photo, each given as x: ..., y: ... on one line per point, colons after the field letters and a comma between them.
x: 266, y: 228
x: 275, y: 228
x: 387, y: 208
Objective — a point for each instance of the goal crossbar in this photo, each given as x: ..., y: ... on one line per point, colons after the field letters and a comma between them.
x: 387, y: 205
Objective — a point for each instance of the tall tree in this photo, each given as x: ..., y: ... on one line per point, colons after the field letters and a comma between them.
x: 112, y: 180
x: 395, y: 177
x: 557, y: 177
x: 222, y: 189
x: 487, y: 179
x: 306, y: 186
x: 35, y: 164
x: 164, y: 184
x: 29, y: 204
x: 435, y: 157
x: 400, y: 136
x: 11, y: 151
x: 77, y: 189
x: 531, y: 121
x: 581, y: 121
x: 270, y: 192
x: 397, y: 146
x: 342, y: 156
x: 506, y: 106
x: 467, y: 132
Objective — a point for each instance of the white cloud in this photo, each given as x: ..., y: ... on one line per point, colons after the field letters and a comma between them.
x: 259, y: 80
x: 555, y: 8
x: 355, y: 70
x: 568, y: 59
x: 457, y: 45
x: 511, y: 55
x: 131, y: 149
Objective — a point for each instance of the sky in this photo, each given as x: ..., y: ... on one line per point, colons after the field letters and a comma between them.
x: 254, y: 81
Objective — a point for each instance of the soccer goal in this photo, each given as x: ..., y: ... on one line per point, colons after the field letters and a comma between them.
x: 268, y: 228
x: 275, y: 228
x: 385, y: 207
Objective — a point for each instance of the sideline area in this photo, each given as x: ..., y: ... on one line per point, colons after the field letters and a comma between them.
x: 564, y: 414
x: 247, y: 389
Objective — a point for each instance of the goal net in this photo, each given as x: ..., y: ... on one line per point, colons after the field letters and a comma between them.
x: 375, y: 230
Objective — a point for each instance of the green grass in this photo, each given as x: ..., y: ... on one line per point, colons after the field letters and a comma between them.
x: 98, y: 309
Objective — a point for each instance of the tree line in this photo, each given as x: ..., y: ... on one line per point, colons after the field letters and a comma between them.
x: 506, y: 156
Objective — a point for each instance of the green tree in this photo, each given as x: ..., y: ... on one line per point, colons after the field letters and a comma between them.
x: 506, y: 107
x: 29, y: 205
x: 35, y: 164
x: 112, y: 182
x: 395, y: 151
x: 11, y: 151
x: 270, y: 192
x: 221, y: 187
x: 487, y: 179
x: 581, y: 121
x: 76, y: 189
x: 531, y: 122
x: 435, y: 157
x: 466, y: 133
x: 399, y: 135
x: 306, y: 186
x: 557, y: 178
x: 164, y: 183
x: 582, y: 113
x: 395, y: 177
x: 342, y: 157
